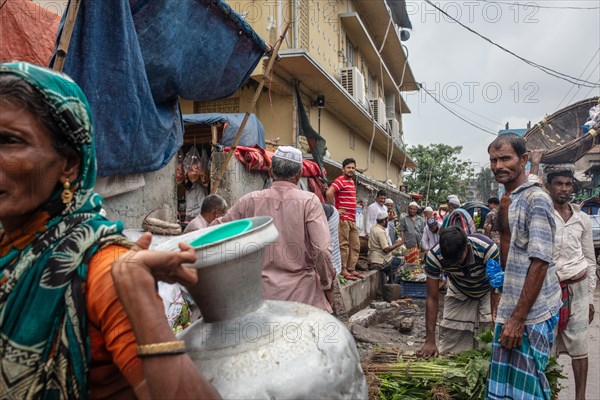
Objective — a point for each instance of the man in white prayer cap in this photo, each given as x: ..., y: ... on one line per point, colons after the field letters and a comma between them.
x: 298, y: 267
x: 380, y: 251
x: 392, y: 220
x: 428, y: 213
x: 411, y: 227
x: 458, y: 216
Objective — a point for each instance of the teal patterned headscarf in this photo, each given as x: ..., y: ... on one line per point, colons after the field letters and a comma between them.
x: 44, y: 343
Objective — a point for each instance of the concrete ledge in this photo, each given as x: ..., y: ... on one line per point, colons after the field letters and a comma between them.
x: 357, y: 295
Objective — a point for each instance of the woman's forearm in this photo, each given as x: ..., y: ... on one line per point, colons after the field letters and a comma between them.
x: 171, y: 376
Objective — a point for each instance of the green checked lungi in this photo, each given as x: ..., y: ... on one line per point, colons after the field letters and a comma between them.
x: 518, y: 374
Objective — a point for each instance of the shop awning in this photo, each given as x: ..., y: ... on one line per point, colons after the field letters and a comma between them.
x: 254, y: 132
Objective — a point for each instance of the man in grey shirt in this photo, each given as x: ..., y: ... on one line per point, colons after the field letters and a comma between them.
x: 411, y: 227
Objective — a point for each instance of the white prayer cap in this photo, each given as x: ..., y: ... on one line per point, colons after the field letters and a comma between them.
x: 413, y: 204
x: 381, y: 215
x: 388, y: 201
x: 289, y: 153
x: 428, y: 209
x: 453, y: 199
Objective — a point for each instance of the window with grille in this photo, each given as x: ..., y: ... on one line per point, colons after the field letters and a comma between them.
x: 230, y: 105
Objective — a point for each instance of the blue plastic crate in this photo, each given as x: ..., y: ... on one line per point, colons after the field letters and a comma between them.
x: 413, y: 289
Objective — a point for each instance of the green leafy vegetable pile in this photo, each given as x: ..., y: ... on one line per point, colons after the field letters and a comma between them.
x: 458, y: 376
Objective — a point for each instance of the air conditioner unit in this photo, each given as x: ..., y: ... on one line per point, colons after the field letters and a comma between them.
x: 354, y: 83
x: 378, y: 106
x: 394, y: 128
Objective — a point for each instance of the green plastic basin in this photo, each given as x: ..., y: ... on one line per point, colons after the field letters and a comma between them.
x: 223, y: 232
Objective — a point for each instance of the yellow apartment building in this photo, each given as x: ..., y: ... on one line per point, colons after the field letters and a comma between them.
x: 349, y: 53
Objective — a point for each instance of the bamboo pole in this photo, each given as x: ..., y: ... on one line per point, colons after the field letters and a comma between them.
x: 217, y: 183
x: 66, y: 34
x: 214, y: 136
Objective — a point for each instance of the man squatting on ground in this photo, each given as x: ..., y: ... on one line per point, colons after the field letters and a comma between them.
x: 380, y: 251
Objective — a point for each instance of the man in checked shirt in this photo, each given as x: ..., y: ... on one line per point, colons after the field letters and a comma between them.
x: 531, y: 295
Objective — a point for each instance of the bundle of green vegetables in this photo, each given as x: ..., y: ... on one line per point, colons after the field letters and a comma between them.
x: 458, y: 376
x: 412, y: 273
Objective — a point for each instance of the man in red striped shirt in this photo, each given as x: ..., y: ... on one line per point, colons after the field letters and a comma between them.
x: 342, y: 194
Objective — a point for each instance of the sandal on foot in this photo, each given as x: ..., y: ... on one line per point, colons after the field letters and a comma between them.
x: 349, y: 276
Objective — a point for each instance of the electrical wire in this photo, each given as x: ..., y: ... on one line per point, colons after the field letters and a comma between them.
x: 580, y: 75
x: 385, y: 37
x: 455, y: 113
x: 479, y: 115
x: 404, y: 68
x: 590, y: 91
x: 579, y: 88
x: 535, y: 5
x: 547, y: 70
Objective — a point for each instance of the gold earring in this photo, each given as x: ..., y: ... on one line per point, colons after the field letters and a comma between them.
x: 67, y: 195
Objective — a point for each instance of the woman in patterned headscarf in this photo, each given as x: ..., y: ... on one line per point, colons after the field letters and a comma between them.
x: 71, y: 324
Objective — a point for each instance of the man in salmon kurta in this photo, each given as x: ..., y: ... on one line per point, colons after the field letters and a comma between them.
x: 298, y: 267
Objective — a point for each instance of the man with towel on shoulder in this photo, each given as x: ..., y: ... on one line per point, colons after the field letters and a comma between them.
x: 575, y: 266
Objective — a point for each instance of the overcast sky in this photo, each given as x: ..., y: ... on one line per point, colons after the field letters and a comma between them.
x: 471, y: 74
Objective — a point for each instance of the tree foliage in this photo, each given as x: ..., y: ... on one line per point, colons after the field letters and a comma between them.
x: 486, y: 184
x: 440, y: 169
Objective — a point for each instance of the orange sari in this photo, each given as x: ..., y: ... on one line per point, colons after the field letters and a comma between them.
x: 115, y: 369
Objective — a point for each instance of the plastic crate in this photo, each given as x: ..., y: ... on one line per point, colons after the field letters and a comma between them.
x: 413, y: 289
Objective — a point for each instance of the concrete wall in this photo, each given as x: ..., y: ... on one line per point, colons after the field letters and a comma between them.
x: 132, y: 207
x: 357, y: 295
x: 325, y: 35
x: 275, y: 112
x: 238, y: 180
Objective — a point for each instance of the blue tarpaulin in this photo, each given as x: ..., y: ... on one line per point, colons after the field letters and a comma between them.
x: 253, y: 133
x: 135, y: 58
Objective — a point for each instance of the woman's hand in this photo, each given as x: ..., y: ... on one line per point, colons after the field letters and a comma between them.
x: 135, y: 275
x: 163, y: 266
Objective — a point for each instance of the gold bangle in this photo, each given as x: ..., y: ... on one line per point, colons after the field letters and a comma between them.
x: 161, y: 349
